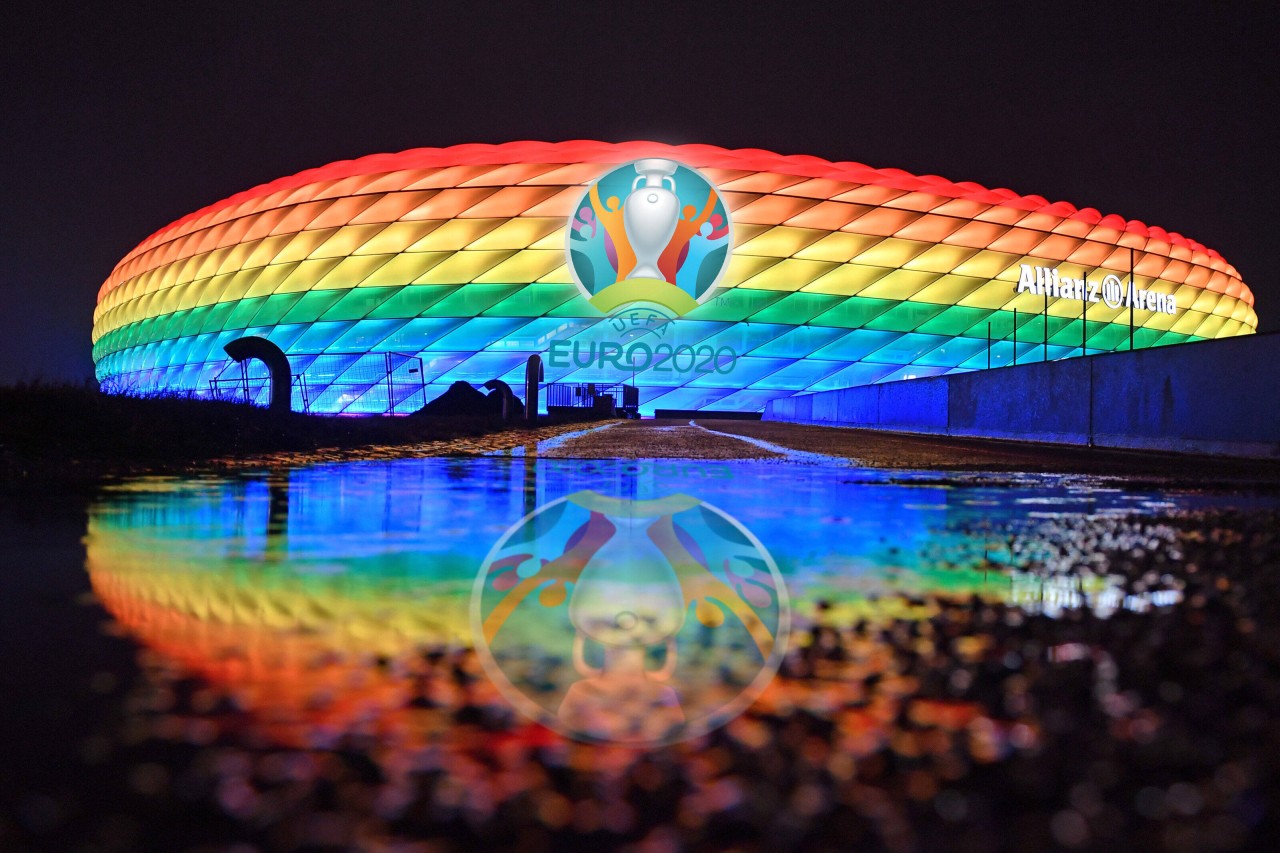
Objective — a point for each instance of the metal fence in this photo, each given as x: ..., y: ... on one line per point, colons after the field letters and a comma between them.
x: 332, y: 383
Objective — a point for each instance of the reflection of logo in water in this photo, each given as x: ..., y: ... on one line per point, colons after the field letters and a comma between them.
x: 639, y: 622
x: 651, y: 232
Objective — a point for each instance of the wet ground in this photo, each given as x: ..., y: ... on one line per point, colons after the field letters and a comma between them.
x: 282, y: 657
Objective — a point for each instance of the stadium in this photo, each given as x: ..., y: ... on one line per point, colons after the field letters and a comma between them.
x: 749, y: 276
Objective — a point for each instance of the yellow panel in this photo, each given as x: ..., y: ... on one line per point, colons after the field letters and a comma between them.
x: 526, y: 266
x: 986, y: 264
x: 404, y: 269
x: 1187, y: 322
x: 397, y: 237
x: 940, y: 258
x: 269, y: 279
x: 559, y: 275
x: 217, y: 286
x: 553, y: 240
x: 891, y: 252
x: 1211, y: 326
x: 351, y: 271
x: 303, y: 244
x: 211, y: 262
x: 455, y: 234
x: 266, y: 250
x: 846, y: 280
x: 839, y: 247
x: 1206, y: 301
x: 899, y: 284
x: 463, y: 267
x: 780, y: 242
x: 949, y: 289
x: 993, y: 294
x: 236, y: 257
x: 238, y: 284
x: 1159, y: 321
x: 790, y: 274
x: 743, y: 267
x: 189, y: 296
x: 306, y: 274
x: 346, y: 240
x: 519, y: 233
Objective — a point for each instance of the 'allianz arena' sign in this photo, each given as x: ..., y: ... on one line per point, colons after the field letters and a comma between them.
x: 1111, y: 291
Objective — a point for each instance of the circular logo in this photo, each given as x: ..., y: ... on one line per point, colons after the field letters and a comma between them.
x: 1112, y: 291
x: 633, y: 622
x: 652, y: 232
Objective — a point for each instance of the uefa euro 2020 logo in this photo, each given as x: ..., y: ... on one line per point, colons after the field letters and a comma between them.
x: 637, y: 622
x: 649, y: 233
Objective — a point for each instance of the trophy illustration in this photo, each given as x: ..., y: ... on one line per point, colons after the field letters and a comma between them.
x: 650, y: 214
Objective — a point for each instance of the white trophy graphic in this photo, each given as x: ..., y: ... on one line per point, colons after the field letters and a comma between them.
x: 650, y: 214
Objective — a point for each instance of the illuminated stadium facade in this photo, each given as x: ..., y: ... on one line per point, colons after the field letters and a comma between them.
x: 386, y: 279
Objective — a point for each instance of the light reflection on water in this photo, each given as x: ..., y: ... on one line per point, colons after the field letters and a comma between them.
x: 398, y: 543
x: 289, y: 623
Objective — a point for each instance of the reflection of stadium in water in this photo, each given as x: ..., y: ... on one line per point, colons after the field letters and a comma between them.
x: 309, y: 593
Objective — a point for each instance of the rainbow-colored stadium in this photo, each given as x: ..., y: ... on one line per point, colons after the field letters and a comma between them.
x: 386, y: 279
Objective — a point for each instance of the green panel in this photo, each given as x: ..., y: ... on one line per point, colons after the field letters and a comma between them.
x: 216, y: 319
x: 1110, y: 337
x: 276, y: 306
x: 471, y: 300
x: 194, y: 321
x: 312, y: 304
x: 796, y: 308
x: 906, y: 316
x: 735, y: 303
x: 854, y: 312
x: 242, y: 312
x: 533, y: 300
x: 167, y: 327
x: 577, y: 306
x: 412, y: 301
x: 1144, y: 338
x: 359, y: 302
x: 957, y: 320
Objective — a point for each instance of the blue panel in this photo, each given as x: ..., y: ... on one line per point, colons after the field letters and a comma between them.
x: 483, y: 366
x: 799, y: 375
x: 750, y: 400
x: 365, y: 335
x: 856, y: 344
x: 744, y: 337
x: 477, y: 333
x: 537, y: 335
x: 800, y: 341
x: 854, y: 374
x: 906, y: 348
x: 913, y: 371
x: 953, y: 352
x: 283, y: 336
x: 417, y: 334
x: 318, y: 336
x: 744, y: 371
x: 689, y: 398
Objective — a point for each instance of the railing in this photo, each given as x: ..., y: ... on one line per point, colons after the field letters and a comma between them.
x: 335, y: 383
x: 584, y: 395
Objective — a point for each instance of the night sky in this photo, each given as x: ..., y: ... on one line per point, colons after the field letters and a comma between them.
x: 117, y: 122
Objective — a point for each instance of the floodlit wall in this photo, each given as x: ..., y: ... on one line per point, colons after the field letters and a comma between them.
x: 1214, y: 397
x: 841, y: 275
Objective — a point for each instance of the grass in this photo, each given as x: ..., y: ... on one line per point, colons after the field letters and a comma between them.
x: 54, y: 432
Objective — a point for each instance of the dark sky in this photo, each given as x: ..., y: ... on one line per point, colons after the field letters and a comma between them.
x: 117, y: 122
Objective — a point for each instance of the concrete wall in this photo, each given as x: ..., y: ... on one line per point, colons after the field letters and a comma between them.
x: 1210, y: 397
